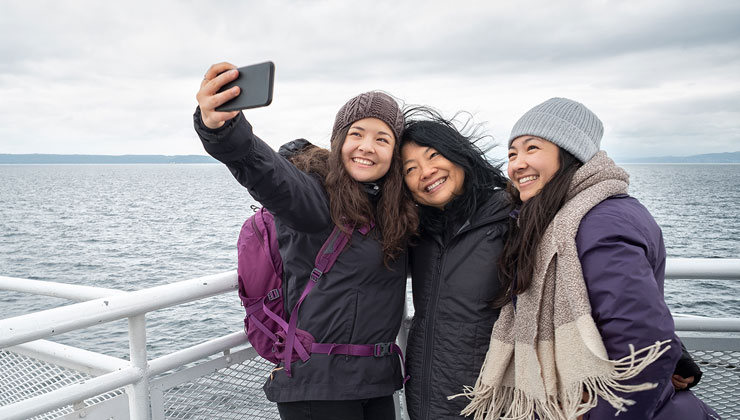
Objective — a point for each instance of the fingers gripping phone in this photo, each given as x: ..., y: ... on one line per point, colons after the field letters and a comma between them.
x: 255, y: 82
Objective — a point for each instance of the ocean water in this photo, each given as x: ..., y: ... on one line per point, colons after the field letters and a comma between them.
x: 135, y: 226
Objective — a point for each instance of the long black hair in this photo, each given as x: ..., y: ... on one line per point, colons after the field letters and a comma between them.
x: 466, y: 148
x: 518, y: 257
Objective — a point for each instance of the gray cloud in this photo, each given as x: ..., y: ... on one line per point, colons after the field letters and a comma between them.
x: 79, y: 77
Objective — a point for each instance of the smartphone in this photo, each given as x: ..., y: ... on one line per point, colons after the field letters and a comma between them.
x: 256, y: 83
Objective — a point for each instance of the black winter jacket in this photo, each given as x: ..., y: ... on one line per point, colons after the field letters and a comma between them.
x: 358, y: 302
x: 453, y: 285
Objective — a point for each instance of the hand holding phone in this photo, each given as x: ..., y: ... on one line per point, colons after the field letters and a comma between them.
x: 255, y: 83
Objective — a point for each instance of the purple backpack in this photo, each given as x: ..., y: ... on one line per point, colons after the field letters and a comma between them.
x: 260, y: 270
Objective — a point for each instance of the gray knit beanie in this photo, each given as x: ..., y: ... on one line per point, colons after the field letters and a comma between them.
x: 568, y: 124
x: 370, y: 104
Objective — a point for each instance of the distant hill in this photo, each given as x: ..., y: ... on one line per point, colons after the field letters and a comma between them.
x: 93, y: 159
x: 726, y: 157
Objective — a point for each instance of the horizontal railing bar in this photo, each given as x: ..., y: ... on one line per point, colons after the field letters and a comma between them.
x: 73, y: 292
x: 91, y: 363
x: 70, y: 394
x: 188, y: 374
x: 196, y: 352
x: 707, y: 324
x: 703, y: 268
x: 686, y: 323
x: 705, y: 342
x: 42, y: 324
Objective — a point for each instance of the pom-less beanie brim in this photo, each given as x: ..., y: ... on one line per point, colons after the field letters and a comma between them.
x: 566, y: 123
x: 372, y: 104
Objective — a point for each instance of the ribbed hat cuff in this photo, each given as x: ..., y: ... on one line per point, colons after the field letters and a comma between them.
x: 558, y: 131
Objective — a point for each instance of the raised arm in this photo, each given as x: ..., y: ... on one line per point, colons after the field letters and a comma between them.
x: 296, y: 198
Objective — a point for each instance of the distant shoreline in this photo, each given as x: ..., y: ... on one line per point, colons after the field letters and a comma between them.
x: 47, y: 159
x: 727, y: 157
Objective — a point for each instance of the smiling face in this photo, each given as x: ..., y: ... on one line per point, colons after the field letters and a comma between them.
x: 532, y: 163
x: 367, y: 151
x: 432, y: 179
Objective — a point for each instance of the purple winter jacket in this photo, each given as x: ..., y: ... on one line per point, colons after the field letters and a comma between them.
x: 623, y: 259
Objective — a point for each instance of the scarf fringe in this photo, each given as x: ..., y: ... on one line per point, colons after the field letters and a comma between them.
x: 510, y: 403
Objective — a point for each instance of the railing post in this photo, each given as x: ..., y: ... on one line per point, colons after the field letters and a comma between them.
x: 138, y: 393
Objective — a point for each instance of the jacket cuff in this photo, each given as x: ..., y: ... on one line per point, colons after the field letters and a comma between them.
x: 686, y: 367
x: 230, y: 142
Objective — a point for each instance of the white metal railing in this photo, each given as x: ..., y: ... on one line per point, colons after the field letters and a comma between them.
x: 24, y: 334
x: 73, y: 292
x: 710, y: 269
x: 703, y: 268
x: 37, y: 325
x: 132, y: 305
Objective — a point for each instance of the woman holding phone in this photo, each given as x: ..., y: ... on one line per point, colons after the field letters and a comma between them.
x: 463, y: 212
x: 584, y: 328
x: 360, y: 301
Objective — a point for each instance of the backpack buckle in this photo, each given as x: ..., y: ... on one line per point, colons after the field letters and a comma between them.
x: 273, y: 294
x: 316, y: 274
x: 382, y: 349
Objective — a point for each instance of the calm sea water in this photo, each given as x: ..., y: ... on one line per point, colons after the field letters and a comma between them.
x: 134, y: 226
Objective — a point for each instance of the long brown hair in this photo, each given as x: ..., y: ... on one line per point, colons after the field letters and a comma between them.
x: 395, y: 214
x: 518, y: 258
x: 312, y: 160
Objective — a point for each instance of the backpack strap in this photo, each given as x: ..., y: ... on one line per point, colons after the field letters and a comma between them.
x: 325, y: 259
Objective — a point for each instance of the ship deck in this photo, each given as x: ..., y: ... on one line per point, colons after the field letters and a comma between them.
x: 222, y: 378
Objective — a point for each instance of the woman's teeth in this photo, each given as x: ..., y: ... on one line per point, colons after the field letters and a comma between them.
x: 363, y: 161
x: 528, y: 178
x: 436, y: 183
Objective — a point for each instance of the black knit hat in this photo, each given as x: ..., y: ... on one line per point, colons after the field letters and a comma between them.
x: 370, y: 105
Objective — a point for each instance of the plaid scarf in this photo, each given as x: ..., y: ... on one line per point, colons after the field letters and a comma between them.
x: 547, y: 357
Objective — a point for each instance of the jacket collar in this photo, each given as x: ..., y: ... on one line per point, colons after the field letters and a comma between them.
x: 496, y: 208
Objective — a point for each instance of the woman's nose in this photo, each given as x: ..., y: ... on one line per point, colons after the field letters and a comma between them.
x: 366, y: 145
x: 517, y: 163
x: 427, y: 171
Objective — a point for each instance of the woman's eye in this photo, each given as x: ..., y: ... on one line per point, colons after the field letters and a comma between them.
x: 383, y: 139
x: 532, y: 147
x: 512, y: 156
x: 434, y: 154
x: 409, y: 169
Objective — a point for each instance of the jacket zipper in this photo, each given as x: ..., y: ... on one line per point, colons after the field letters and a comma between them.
x: 433, y: 301
x: 429, y: 335
x: 256, y: 231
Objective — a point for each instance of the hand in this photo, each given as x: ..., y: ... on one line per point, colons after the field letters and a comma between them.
x: 209, y: 97
x: 680, y: 383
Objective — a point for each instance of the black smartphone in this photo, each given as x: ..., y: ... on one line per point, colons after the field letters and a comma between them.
x: 255, y: 82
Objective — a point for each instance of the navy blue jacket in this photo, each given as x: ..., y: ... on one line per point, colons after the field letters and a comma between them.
x: 359, y: 301
x: 623, y: 260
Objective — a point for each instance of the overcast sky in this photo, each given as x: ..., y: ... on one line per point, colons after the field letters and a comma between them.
x: 98, y: 77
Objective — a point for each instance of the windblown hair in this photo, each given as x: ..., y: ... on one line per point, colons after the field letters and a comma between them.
x: 518, y: 258
x: 312, y: 160
x: 394, y: 215
x: 466, y: 148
